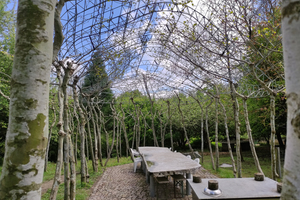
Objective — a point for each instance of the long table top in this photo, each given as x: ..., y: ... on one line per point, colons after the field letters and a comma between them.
x: 162, y: 160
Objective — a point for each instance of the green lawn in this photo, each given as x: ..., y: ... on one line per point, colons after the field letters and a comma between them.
x: 248, y: 166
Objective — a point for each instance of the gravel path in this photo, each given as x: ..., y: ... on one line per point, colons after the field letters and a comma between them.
x: 121, y: 183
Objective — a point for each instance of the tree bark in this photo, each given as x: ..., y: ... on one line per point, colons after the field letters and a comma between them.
x: 49, y: 137
x: 61, y: 134
x: 251, y: 143
x: 272, y: 137
x: 27, y: 133
x: 152, y: 116
x: 208, y: 139
x: 81, y: 132
x: 124, y: 129
x: 93, y: 115
x: 291, y: 50
x: 183, y: 125
x: 170, y: 122
x: 216, y: 131
x: 90, y: 142
x: 228, y: 140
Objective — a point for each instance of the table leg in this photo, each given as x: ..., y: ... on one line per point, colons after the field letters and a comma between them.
x: 152, y: 186
x: 188, y: 187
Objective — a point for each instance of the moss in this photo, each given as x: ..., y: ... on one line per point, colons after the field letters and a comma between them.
x: 31, y: 103
x: 33, y: 144
x: 25, y: 145
x: 292, y: 11
x: 40, y: 80
x: 34, y: 19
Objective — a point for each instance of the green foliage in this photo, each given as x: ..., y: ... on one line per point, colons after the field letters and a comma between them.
x: 7, y: 40
x: 259, y: 116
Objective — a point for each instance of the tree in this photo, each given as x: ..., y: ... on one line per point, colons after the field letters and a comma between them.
x: 7, y: 40
x: 291, y: 50
x: 27, y: 134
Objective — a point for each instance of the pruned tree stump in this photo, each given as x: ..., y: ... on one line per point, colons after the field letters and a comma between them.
x: 259, y: 177
x: 213, y: 185
x: 197, y: 179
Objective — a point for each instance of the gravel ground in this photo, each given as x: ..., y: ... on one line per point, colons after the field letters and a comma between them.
x: 121, y: 183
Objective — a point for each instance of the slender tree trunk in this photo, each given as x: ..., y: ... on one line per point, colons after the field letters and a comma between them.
x: 66, y: 137
x: 137, y: 123
x: 216, y: 132
x: 152, y: 116
x: 81, y: 131
x: 124, y: 129
x: 117, y: 142
x: 49, y: 138
x: 114, y: 133
x: 145, y: 130
x: 27, y: 133
x: 99, y: 128
x: 249, y: 131
x: 202, y: 126
x: 90, y: 142
x: 273, y: 134
x: 92, y: 111
x: 228, y: 140
x: 291, y: 50
x: 170, y: 122
x: 208, y: 139
x: 72, y: 170
x: 183, y: 125
x: 61, y: 134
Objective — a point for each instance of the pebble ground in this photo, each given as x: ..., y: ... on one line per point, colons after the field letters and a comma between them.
x: 121, y: 183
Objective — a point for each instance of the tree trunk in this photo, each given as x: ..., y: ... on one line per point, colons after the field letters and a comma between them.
x: 124, y: 129
x: 99, y: 128
x: 114, y: 133
x: 152, y: 117
x: 49, y: 138
x: 291, y: 50
x: 273, y: 134
x: 117, y: 141
x: 92, y: 111
x: 27, y: 133
x: 208, y: 139
x: 61, y: 134
x: 81, y: 131
x: 89, y: 140
x: 183, y: 125
x: 202, y: 125
x: 216, y: 132
x: 170, y: 122
x: 251, y: 143
x: 72, y: 170
x: 228, y: 140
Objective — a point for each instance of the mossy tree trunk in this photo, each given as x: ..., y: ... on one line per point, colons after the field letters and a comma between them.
x: 27, y: 133
x: 291, y: 49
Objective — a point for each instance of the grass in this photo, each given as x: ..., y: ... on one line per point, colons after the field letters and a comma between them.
x: 82, y: 191
x: 248, y: 166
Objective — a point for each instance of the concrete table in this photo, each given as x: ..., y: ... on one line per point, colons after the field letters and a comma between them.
x: 237, y: 188
x: 160, y: 160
